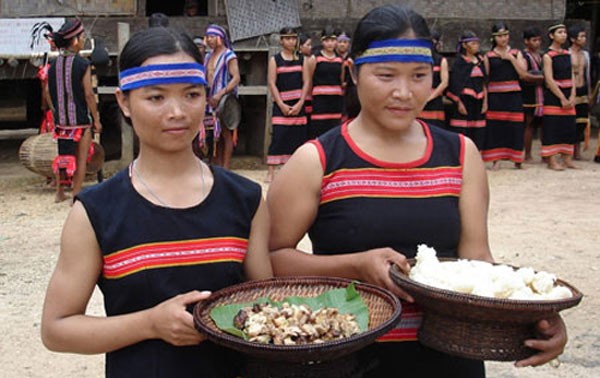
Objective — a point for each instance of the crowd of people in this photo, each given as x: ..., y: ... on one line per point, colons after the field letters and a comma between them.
x: 369, y: 178
x: 499, y: 99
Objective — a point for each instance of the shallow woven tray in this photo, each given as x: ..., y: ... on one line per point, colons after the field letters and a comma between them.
x: 384, y: 313
x: 477, y: 327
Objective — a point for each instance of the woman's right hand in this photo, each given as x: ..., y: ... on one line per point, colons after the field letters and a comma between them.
x: 172, y: 323
x: 285, y: 109
x: 375, y: 264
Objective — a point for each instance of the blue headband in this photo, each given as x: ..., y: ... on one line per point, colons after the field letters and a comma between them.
x: 157, y: 74
x: 397, y: 50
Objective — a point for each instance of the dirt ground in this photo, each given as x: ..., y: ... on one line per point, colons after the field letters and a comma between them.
x: 540, y: 218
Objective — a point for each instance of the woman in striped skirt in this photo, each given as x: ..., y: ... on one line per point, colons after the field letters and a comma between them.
x: 305, y: 47
x: 327, y: 91
x: 558, y: 128
x: 433, y: 113
x: 467, y: 90
x: 289, y: 82
x: 504, y: 118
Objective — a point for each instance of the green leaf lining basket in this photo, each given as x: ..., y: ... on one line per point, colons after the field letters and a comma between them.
x: 384, y: 313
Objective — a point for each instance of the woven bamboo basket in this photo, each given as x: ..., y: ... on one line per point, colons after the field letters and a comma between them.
x: 384, y: 312
x: 478, y: 327
x: 37, y: 152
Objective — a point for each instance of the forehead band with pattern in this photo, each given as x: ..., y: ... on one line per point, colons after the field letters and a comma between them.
x: 160, y: 74
x: 397, y: 50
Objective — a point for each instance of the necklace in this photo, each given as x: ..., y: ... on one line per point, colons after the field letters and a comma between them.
x: 154, y: 195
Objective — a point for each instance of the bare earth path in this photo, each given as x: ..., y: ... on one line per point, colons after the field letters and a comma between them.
x: 539, y: 218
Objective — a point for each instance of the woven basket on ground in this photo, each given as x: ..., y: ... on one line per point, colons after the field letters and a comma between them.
x: 478, y: 327
x: 384, y: 312
x: 37, y: 152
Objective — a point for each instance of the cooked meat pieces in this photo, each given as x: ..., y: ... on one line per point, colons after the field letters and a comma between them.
x: 294, y: 324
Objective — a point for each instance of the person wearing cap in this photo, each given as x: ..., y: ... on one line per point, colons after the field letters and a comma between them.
x: 74, y: 102
x: 370, y: 191
x: 223, y: 75
x: 158, y: 236
x: 558, y: 126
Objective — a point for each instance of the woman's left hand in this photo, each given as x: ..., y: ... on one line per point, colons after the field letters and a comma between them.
x: 551, y: 342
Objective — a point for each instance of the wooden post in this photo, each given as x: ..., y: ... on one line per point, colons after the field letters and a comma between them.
x: 126, y: 130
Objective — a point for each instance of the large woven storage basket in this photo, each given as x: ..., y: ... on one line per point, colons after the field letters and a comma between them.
x: 384, y: 312
x: 479, y: 327
x: 37, y: 152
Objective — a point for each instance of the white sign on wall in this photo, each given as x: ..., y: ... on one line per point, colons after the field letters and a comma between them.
x: 15, y: 35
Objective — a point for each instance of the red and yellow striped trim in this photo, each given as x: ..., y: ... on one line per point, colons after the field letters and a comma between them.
x: 328, y: 90
x: 391, y: 183
x: 468, y: 123
x: 289, y: 121
x: 555, y: 149
x: 297, y: 68
x: 322, y: 117
x: 432, y: 114
x: 565, y: 83
x: 407, y: 328
x: 323, y: 59
x: 504, y: 86
x: 177, y: 253
x: 291, y: 95
x: 493, y: 115
x: 558, y: 111
x: 502, y: 153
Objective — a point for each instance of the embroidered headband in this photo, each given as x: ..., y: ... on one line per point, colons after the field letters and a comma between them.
x: 328, y: 36
x: 157, y: 74
x: 500, y: 32
x: 218, y: 31
x: 289, y: 35
x: 554, y: 27
x: 343, y: 37
x: 468, y: 39
x: 397, y: 50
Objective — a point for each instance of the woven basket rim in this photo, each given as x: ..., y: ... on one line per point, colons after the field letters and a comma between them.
x: 297, y: 353
x: 545, y: 306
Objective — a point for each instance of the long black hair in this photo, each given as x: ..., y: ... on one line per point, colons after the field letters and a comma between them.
x: 387, y: 22
x: 497, y: 27
x: 151, y: 42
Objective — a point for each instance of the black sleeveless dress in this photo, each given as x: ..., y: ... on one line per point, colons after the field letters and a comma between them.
x: 289, y: 132
x: 558, y: 127
x: 152, y: 253
x: 327, y: 95
x: 367, y: 203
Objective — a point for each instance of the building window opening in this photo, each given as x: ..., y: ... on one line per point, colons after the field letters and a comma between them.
x: 178, y: 8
